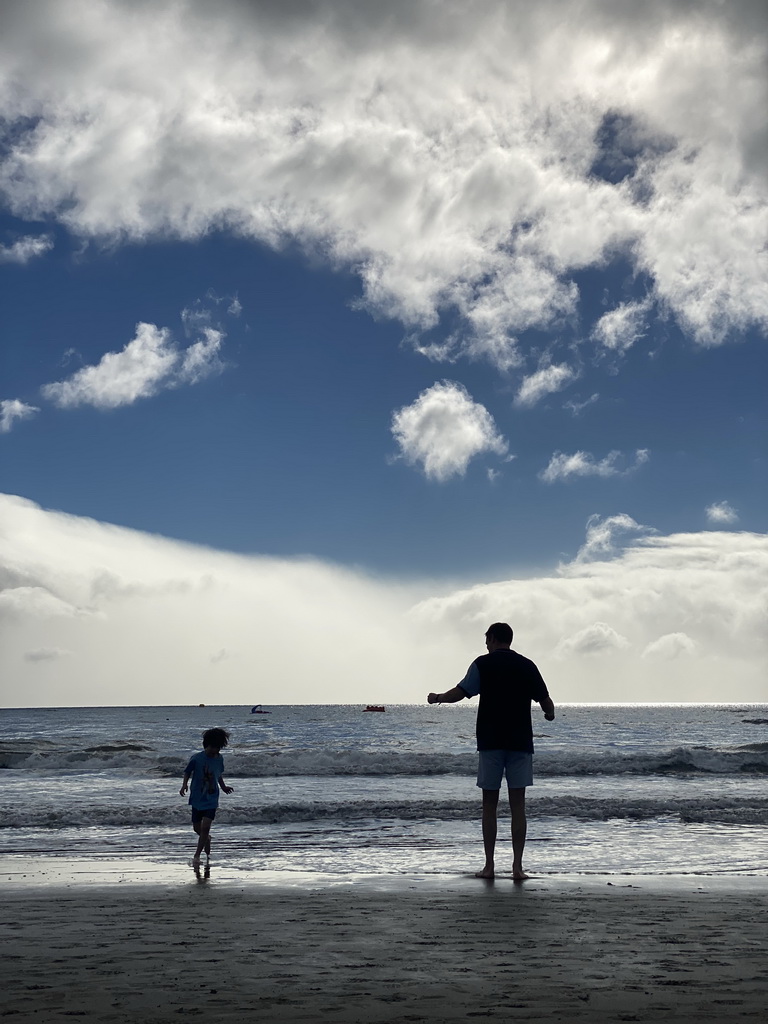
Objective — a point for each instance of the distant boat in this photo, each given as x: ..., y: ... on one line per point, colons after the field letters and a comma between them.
x: 375, y: 707
x: 257, y: 709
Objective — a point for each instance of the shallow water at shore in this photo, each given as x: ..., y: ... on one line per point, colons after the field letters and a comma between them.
x: 637, y: 790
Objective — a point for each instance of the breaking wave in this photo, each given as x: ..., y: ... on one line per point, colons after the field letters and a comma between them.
x: 751, y: 758
x: 740, y: 811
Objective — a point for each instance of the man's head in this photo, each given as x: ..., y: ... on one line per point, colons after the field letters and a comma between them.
x: 215, y: 739
x: 498, y: 634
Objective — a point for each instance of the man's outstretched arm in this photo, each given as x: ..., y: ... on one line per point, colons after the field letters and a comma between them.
x: 548, y: 708
x: 451, y: 696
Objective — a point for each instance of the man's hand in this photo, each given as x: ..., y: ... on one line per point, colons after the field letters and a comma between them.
x: 433, y: 698
x: 228, y: 789
x: 549, y: 709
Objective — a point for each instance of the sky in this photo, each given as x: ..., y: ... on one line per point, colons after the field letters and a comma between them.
x: 333, y: 332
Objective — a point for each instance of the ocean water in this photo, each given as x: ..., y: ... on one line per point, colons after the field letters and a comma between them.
x: 619, y: 789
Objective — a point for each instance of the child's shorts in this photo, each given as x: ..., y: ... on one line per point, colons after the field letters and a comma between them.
x: 206, y: 812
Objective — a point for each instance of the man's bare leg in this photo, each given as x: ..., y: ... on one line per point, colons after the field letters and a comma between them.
x: 490, y: 804
x: 519, y: 829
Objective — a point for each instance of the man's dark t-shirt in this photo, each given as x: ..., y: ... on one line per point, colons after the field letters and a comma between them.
x: 507, y: 683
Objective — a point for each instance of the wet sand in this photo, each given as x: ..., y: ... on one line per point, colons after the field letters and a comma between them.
x: 128, y: 943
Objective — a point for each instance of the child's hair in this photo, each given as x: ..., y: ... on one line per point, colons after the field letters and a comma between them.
x: 215, y: 738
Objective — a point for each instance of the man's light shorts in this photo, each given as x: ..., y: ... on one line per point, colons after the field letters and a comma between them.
x: 517, y: 765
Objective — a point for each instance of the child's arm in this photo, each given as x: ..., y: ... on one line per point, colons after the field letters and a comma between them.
x: 185, y: 783
x: 224, y: 786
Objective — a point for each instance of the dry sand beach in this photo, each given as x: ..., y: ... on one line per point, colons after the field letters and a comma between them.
x: 113, y: 949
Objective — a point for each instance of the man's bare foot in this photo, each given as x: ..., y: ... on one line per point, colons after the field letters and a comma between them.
x: 518, y: 875
x: 485, y: 873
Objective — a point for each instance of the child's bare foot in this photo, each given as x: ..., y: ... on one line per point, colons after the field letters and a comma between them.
x: 487, y: 872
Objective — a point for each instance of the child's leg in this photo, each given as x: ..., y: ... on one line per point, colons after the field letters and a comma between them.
x: 203, y: 829
x: 196, y: 827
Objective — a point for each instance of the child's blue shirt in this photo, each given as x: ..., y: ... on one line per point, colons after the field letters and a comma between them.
x: 205, y: 773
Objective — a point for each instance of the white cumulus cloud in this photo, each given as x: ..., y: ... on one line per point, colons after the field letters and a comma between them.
x: 444, y: 429
x: 25, y: 249
x: 201, y: 359
x: 607, y: 536
x: 467, y: 160
x: 669, y: 647
x: 577, y: 407
x: 150, y: 362
x: 722, y: 513
x: 597, y: 638
x: 11, y: 410
x: 562, y: 466
x: 619, y: 329
x: 544, y: 382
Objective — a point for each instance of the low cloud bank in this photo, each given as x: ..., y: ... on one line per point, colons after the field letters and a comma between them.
x: 677, y: 618
x: 97, y: 614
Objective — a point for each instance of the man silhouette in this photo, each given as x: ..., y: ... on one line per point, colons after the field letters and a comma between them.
x: 506, y: 683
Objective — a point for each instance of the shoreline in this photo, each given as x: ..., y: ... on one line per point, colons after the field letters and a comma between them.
x: 365, y: 949
x: 21, y: 872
